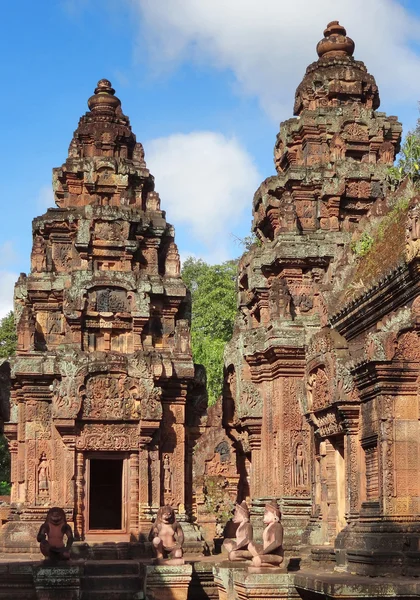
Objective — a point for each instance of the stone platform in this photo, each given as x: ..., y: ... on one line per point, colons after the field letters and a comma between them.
x: 209, y: 578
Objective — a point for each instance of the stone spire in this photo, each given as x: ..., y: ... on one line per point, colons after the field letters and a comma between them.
x: 336, y: 78
x: 105, y: 163
x: 105, y: 307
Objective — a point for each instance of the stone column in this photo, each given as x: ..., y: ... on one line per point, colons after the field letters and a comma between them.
x: 80, y: 493
x: 134, y: 493
x: 144, y: 506
x: 350, y: 417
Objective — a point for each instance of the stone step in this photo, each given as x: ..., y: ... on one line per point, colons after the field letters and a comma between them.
x: 111, y: 567
x: 112, y: 595
x: 105, y: 582
x: 17, y: 594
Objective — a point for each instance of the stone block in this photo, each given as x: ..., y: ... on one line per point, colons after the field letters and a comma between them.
x: 223, y: 574
x: 266, y: 583
x: 167, y: 582
x: 57, y: 582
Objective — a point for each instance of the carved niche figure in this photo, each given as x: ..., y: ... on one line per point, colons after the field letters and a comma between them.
x: 167, y: 474
x: 182, y: 337
x: 271, y: 553
x: 279, y: 299
x: 138, y: 154
x: 38, y: 257
x: 288, y: 216
x: 166, y: 534
x: 43, y: 475
x: 337, y: 147
x: 172, y: 262
x: 51, y: 535
x: 300, y: 467
x: 153, y: 201
x: 238, y: 548
x: 386, y: 153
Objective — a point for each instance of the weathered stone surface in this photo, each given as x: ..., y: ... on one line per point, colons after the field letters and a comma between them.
x: 53, y: 582
x: 167, y: 582
x: 321, y: 396
x: 104, y: 365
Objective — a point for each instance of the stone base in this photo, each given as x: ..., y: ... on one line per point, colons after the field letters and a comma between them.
x: 18, y: 537
x: 16, y: 581
x: 328, y: 586
x: 165, y: 582
x: 57, y: 582
x: 384, y: 548
x: 223, y: 577
x: 203, y: 585
x: 267, y: 585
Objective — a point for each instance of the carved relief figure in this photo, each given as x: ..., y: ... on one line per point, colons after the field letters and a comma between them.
x: 167, y: 474
x: 182, y: 337
x: 38, y: 257
x: 279, y: 299
x: 238, y: 548
x: 51, y: 535
x: 337, y: 147
x: 43, y: 475
x: 271, y: 553
x: 300, y: 473
x: 166, y: 534
x: 172, y: 262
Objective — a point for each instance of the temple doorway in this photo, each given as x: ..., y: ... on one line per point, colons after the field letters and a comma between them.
x: 106, y: 494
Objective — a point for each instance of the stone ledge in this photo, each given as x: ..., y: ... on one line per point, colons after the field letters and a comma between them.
x: 345, y: 585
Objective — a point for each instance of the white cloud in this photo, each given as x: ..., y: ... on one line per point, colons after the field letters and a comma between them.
x: 45, y: 197
x: 7, y: 283
x: 8, y: 254
x: 205, y: 181
x: 268, y: 44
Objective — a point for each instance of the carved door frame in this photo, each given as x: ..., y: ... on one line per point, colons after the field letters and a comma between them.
x: 122, y: 534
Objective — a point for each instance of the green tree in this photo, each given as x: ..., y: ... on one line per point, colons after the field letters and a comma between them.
x: 8, y: 336
x: 213, y: 294
x: 8, y: 341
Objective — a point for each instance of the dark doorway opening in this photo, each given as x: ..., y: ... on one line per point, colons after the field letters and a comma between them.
x: 105, y: 494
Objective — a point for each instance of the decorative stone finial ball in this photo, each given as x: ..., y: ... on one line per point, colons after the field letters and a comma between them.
x: 104, y: 99
x: 335, y: 42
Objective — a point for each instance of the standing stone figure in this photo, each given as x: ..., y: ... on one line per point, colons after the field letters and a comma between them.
x: 166, y: 534
x: 238, y: 548
x: 43, y: 475
x: 51, y: 535
x: 300, y: 467
x: 167, y: 474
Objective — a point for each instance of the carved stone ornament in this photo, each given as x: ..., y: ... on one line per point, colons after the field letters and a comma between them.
x: 250, y: 403
x: 328, y: 424
x: 113, y: 437
x: 111, y: 397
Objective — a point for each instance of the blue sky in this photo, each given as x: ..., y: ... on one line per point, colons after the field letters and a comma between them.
x: 205, y: 84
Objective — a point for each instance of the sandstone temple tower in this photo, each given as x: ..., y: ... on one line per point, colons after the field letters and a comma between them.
x: 99, y: 395
x: 321, y: 400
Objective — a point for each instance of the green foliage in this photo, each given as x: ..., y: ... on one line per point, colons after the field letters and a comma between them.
x: 248, y: 242
x: 213, y: 293
x: 8, y: 336
x: 408, y: 165
x: 4, y: 488
x: 385, y: 251
x: 8, y: 341
x: 362, y: 246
